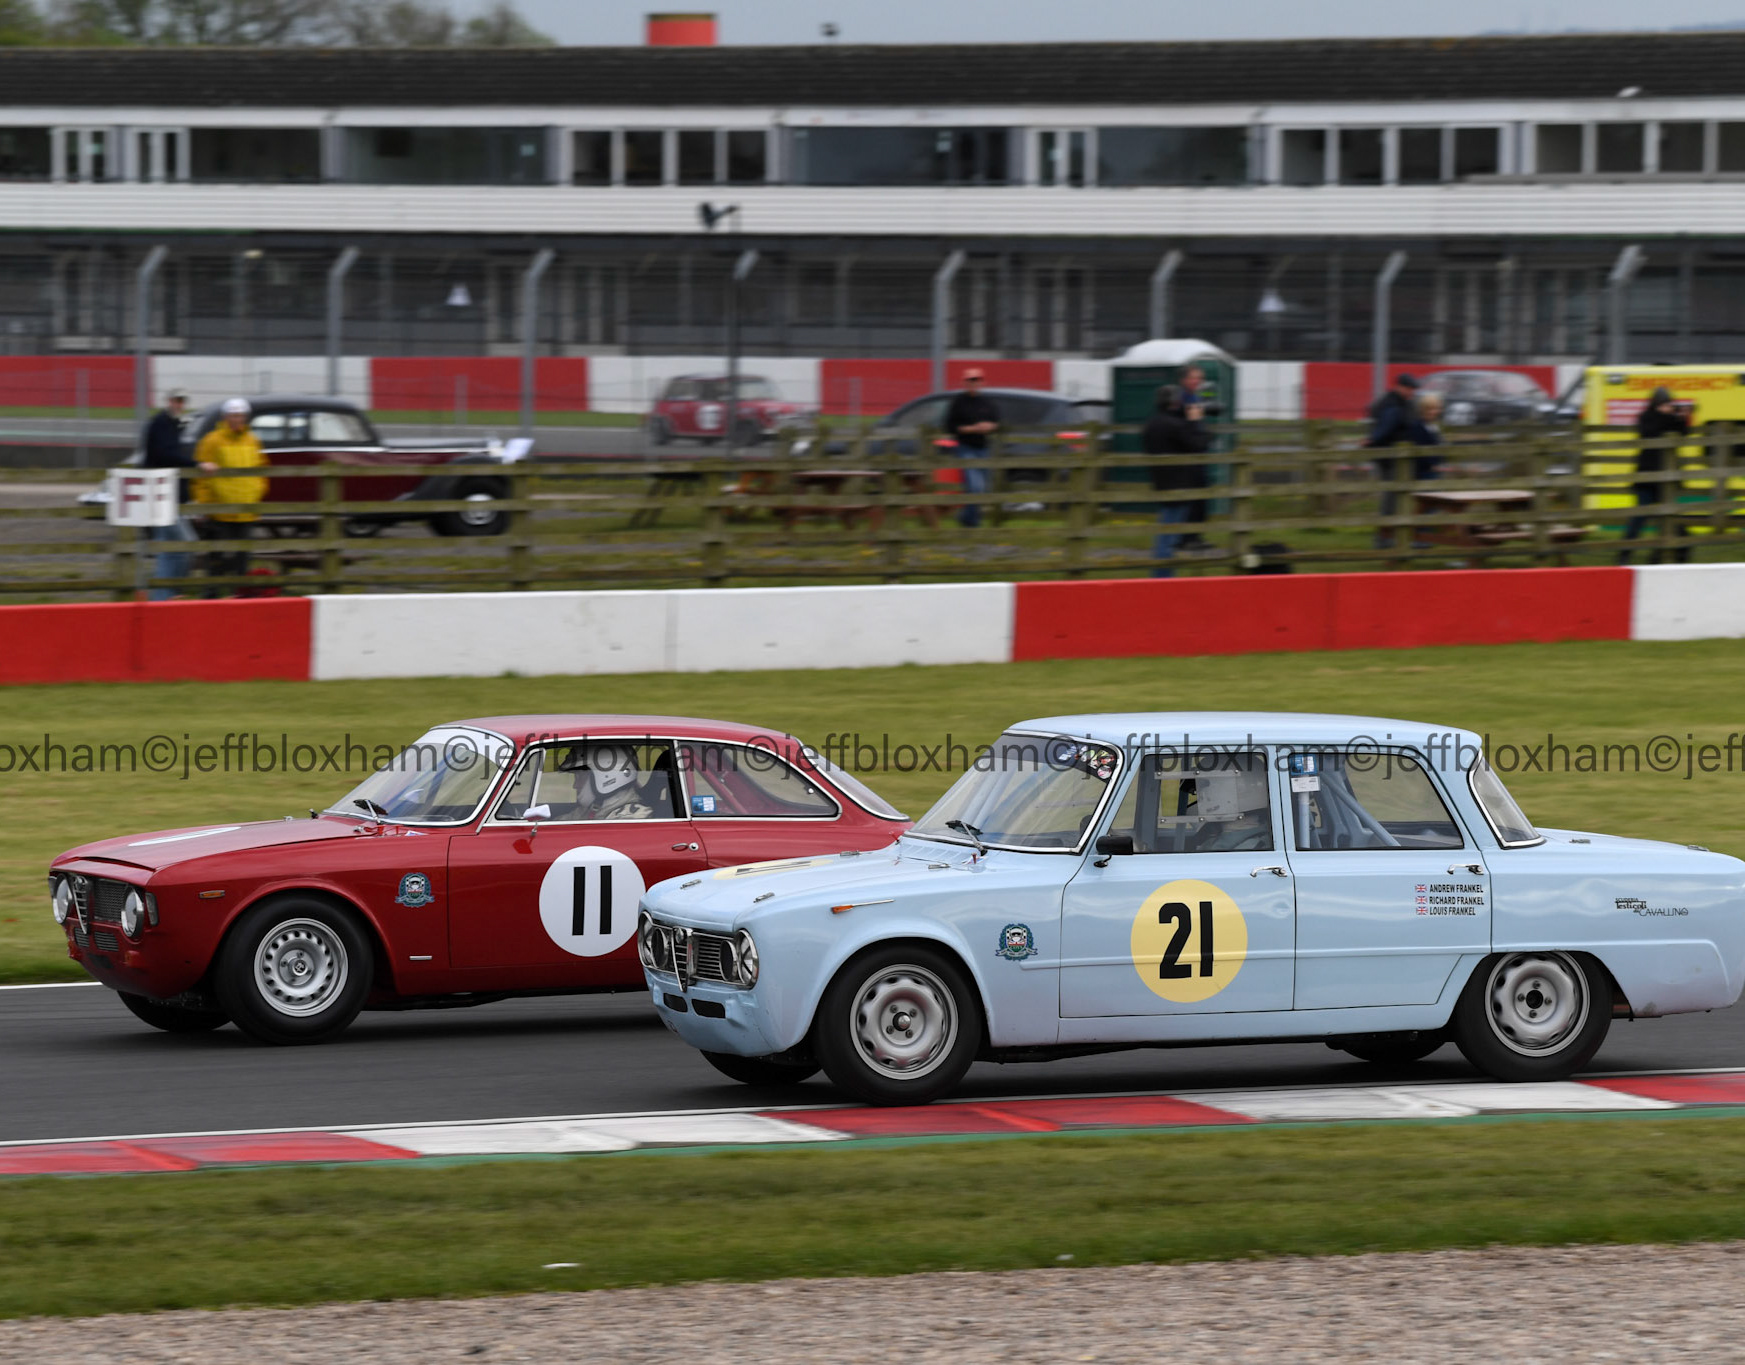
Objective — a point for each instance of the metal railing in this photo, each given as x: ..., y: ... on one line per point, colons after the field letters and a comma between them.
x: 1289, y: 497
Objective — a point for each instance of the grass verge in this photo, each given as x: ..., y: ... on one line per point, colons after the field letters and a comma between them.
x: 1599, y: 693
x: 309, y: 1235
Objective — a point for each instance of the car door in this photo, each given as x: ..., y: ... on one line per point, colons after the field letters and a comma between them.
x: 1391, y: 890
x: 749, y: 804
x: 1198, y: 918
x: 544, y: 892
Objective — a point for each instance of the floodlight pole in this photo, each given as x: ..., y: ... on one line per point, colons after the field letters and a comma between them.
x: 1383, y: 329
x: 1161, y: 280
x: 742, y: 268
x: 1624, y: 270
x: 530, y: 332
x: 942, y: 279
x: 336, y: 274
x: 142, y: 332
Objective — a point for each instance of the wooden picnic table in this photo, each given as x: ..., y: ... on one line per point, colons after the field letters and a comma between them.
x: 1502, y: 531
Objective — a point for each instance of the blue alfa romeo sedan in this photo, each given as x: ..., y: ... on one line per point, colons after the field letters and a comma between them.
x: 1101, y: 882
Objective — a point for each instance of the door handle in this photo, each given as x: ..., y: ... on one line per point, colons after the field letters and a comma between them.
x: 1477, y: 869
x: 684, y: 848
x: 1275, y: 869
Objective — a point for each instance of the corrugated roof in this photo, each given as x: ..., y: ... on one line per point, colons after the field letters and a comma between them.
x: 1390, y: 70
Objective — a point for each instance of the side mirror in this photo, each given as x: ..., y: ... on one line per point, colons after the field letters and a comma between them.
x: 534, y: 814
x: 1111, y: 845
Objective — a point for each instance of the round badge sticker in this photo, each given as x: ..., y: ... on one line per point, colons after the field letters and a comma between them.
x: 588, y: 900
x: 1189, y: 941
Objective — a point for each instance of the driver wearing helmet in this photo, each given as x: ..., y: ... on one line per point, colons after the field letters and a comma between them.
x: 607, y: 787
x: 1233, y: 803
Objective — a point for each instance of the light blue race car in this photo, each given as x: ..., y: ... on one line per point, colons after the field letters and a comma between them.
x: 1102, y: 882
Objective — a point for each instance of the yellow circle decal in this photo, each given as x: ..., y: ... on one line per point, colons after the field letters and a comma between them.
x: 1189, y: 941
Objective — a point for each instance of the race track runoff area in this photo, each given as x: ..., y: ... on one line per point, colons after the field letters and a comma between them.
x: 1707, y: 1092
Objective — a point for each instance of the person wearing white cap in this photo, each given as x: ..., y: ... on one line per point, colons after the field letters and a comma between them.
x: 230, y: 445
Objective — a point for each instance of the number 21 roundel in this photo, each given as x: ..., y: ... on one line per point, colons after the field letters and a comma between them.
x: 588, y: 899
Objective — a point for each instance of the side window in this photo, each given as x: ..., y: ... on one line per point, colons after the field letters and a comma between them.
x: 594, y: 780
x: 1027, y: 412
x: 929, y: 412
x: 1216, y: 805
x: 269, y: 428
x: 732, y: 780
x: 337, y: 428
x: 1367, y: 801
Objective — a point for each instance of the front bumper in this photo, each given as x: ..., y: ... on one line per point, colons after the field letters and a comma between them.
x: 729, y: 1020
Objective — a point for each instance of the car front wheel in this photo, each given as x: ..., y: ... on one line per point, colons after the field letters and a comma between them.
x: 1534, y: 1016
x: 294, y: 970
x: 173, y: 1018
x: 760, y: 1070
x: 484, y: 517
x: 898, y: 1025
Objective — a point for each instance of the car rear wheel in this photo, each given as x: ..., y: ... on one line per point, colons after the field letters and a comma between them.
x: 1391, y: 1049
x: 294, y: 970
x: 484, y: 518
x: 898, y: 1025
x: 747, y: 434
x: 1535, y: 1016
x: 760, y: 1070
x: 173, y: 1018
x: 660, y: 431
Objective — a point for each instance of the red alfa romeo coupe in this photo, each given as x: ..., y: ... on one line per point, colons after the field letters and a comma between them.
x: 492, y: 858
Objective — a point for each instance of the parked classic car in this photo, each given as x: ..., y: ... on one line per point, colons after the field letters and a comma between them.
x: 694, y: 407
x: 491, y: 858
x: 1100, y: 882
x: 1479, y: 398
x: 1031, y: 421
x: 301, y: 430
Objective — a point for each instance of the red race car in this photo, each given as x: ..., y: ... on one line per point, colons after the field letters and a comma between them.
x: 494, y: 857
x: 694, y: 406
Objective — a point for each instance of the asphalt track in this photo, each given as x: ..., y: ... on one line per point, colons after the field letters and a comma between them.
x: 74, y: 1063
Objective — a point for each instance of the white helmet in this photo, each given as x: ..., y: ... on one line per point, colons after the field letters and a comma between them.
x: 613, y: 767
x: 237, y: 407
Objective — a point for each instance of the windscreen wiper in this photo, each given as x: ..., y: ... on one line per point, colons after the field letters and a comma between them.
x: 964, y: 827
x: 380, y: 812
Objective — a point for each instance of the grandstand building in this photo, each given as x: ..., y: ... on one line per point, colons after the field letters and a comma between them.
x: 1513, y: 172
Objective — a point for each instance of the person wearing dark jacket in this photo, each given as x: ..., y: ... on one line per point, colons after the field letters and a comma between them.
x: 1394, y: 419
x: 1657, y: 421
x: 1174, y: 429
x: 971, y: 419
x: 162, y: 448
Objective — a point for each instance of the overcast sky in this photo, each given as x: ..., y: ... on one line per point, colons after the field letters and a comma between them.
x: 972, y: 21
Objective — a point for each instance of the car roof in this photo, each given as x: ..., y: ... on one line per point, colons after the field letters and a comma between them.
x: 275, y: 402
x: 716, y: 374
x: 523, y: 729
x: 1141, y: 729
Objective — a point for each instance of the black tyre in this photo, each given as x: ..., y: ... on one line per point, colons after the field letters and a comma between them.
x: 294, y: 970
x: 900, y: 1024
x: 659, y: 432
x: 1391, y: 1049
x: 173, y: 1018
x: 484, y: 518
x: 1536, y: 1016
x: 760, y: 1070
x: 747, y: 434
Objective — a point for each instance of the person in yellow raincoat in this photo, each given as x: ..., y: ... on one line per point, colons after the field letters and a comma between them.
x: 230, y: 445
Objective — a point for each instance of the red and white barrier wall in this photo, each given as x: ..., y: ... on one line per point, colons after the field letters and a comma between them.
x: 425, y: 388
x: 701, y: 631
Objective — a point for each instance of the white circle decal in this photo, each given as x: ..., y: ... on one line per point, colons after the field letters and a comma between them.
x: 588, y: 900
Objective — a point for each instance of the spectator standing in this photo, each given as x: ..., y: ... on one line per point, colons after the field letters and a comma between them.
x: 1660, y: 419
x: 230, y: 446
x: 971, y: 419
x: 1175, y: 428
x: 1395, y: 418
x: 162, y: 447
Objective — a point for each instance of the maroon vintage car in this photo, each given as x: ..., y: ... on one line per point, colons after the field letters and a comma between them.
x: 495, y: 857
x: 694, y: 407
x: 300, y: 430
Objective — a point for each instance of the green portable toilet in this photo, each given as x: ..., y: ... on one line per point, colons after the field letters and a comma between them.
x: 1134, y: 378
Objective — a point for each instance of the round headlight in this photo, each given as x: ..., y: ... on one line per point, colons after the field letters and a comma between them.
x: 645, y: 940
x: 745, y: 959
x: 132, y: 912
x: 63, y: 900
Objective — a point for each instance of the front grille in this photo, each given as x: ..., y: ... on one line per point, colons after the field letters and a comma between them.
x: 703, y: 957
x: 710, y: 956
x: 105, y: 941
x: 106, y: 900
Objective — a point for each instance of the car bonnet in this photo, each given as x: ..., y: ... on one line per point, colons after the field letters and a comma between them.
x: 165, y: 848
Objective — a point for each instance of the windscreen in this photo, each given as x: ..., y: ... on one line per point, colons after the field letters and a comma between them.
x: 441, y: 779
x: 1032, y: 792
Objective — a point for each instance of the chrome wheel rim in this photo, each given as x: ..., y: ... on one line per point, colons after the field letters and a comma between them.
x: 1537, y: 1002
x: 904, y: 1021
x: 482, y: 514
x: 300, y: 967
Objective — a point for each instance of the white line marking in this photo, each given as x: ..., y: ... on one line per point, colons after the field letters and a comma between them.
x: 49, y: 985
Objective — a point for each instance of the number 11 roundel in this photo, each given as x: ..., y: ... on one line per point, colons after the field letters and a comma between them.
x: 588, y: 899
